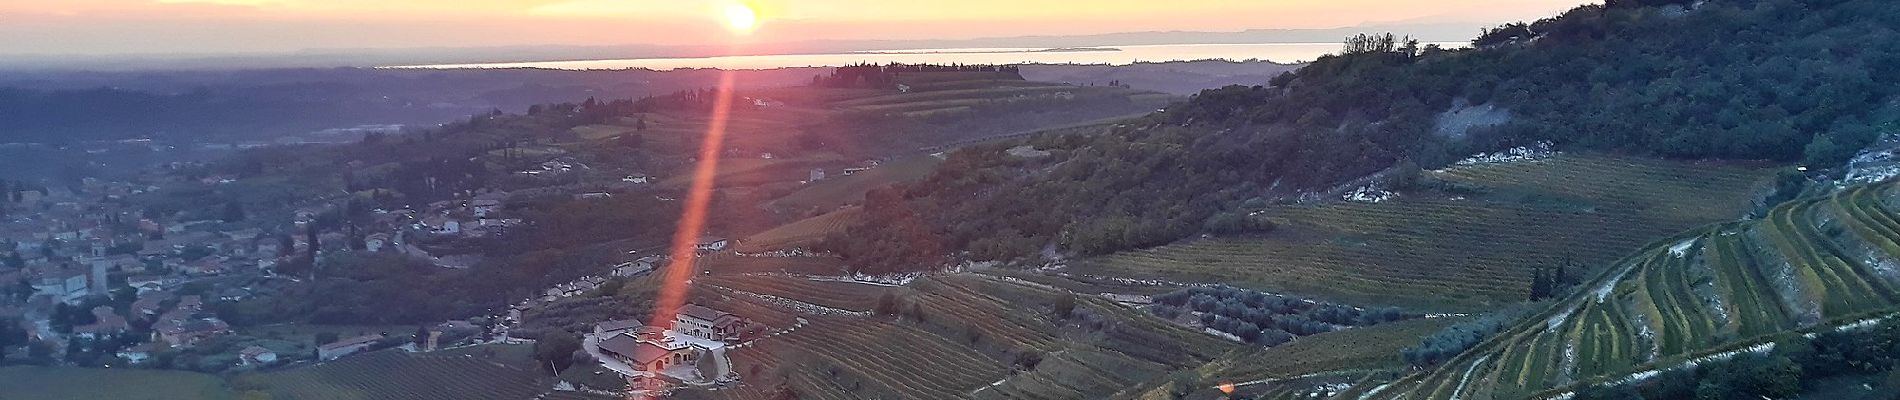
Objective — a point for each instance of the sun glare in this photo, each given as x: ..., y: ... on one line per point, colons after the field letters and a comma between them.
x: 741, y: 19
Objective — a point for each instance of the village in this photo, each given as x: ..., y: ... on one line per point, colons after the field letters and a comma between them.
x: 92, y: 280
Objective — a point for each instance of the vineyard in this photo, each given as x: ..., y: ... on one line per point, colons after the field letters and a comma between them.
x: 955, y: 336
x: 801, y: 233
x: 879, y: 359
x: 398, y: 375
x: 841, y: 295
x: 74, y: 383
x: 1810, y: 262
x: 727, y: 263
x: 1436, y: 250
x: 1369, y: 348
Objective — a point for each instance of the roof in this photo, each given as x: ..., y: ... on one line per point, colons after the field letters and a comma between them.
x: 701, y: 312
x: 254, y: 351
x: 359, y: 340
x: 639, y: 352
x: 618, y: 325
x: 191, y: 301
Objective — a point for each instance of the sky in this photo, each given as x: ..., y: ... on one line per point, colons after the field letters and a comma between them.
x: 109, y: 27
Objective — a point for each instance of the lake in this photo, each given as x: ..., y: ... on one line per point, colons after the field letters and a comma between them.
x: 1118, y: 55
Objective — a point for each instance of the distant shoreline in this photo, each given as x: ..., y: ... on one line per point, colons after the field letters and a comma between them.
x: 1010, y: 51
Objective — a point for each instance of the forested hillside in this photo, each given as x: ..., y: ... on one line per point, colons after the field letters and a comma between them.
x: 1784, y: 80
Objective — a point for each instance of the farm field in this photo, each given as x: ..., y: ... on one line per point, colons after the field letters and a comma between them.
x: 1807, y: 263
x: 73, y: 383
x: 1434, y: 251
x: 394, y: 374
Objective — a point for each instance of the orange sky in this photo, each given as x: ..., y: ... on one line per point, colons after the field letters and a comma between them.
x: 216, y: 26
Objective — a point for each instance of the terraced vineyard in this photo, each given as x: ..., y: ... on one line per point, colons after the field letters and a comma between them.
x: 1809, y: 263
x: 398, y: 375
x: 962, y: 346
x: 1368, y: 348
x: 893, y: 359
x: 726, y: 263
x: 1459, y: 251
x: 841, y: 295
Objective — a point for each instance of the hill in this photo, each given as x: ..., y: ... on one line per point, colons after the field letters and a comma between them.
x: 1474, y: 245
x: 956, y: 336
x: 1809, y: 266
x: 1673, y: 79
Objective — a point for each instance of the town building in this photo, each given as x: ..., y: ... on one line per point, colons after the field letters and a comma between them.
x: 706, y: 323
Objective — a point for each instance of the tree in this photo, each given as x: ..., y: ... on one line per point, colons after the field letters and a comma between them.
x: 422, y: 338
x: 1065, y: 306
x: 323, y: 338
x: 1751, y: 376
x: 556, y: 350
x: 1027, y: 360
x: 1540, y: 285
x: 233, y: 212
x: 310, y: 238
x: 886, y: 304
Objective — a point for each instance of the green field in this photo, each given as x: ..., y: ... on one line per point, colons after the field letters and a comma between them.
x: 63, y: 383
x: 1806, y: 263
x: 1462, y: 251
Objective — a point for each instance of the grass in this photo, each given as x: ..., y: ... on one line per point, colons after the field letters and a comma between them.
x: 62, y: 383
x: 1458, y: 253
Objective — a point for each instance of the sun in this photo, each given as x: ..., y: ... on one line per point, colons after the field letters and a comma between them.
x: 740, y: 18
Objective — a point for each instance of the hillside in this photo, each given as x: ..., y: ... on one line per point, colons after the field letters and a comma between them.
x: 954, y: 336
x: 1464, y: 237
x: 1734, y: 80
x: 1810, y: 265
